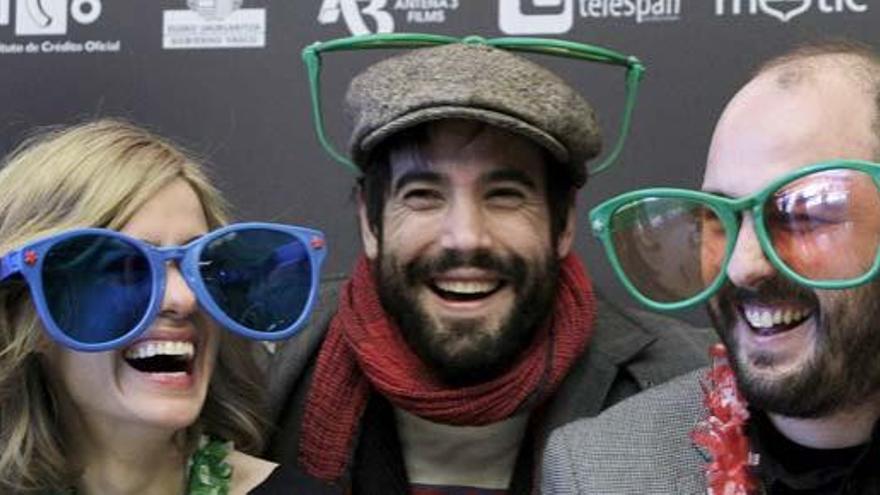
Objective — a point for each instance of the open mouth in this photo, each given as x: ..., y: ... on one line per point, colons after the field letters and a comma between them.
x: 161, y: 356
x: 771, y: 319
x: 465, y: 290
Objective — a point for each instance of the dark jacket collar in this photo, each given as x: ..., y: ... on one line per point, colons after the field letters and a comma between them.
x: 617, y: 339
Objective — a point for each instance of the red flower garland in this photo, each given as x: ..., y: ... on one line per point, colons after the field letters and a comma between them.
x: 723, y: 432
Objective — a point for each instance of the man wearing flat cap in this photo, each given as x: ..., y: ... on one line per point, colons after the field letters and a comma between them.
x: 469, y: 328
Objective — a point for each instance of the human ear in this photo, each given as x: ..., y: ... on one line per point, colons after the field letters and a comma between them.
x: 566, y: 237
x: 368, y: 237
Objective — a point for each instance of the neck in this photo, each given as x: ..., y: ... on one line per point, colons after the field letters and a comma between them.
x: 836, y: 431
x: 131, y: 460
x: 472, y: 456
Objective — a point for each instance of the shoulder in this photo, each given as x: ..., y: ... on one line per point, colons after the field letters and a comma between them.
x: 247, y: 471
x: 673, y: 330
x: 629, y: 351
x: 291, y: 358
x: 290, y: 372
x: 653, y: 347
x: 641, y: 445
x: 651, y: 412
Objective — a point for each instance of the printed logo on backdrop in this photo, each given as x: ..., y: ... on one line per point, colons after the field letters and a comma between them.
x: 384, y: 16
x: 50, y: 19
x: 531, y: 17
x: 786, y: 10
x: 213, y: 24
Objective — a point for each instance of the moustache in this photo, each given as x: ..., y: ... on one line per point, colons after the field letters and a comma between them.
x: 777, y: 288
x: 513, y: 268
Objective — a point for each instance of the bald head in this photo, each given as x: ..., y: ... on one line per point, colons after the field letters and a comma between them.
x: 797, y: 111
x: 859, y: 63
x: 853, y: 59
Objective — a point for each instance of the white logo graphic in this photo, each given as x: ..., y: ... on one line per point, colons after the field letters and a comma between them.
x: 557, y: 16
x: 356, y: 17
x: 378, y: 16
x: 214, y: 10
x: 35, y: 17
x: 213, y: 24
x: 786, y: 10
x: 53, y: 18
x: 512, y: 19
x: 48, y: 17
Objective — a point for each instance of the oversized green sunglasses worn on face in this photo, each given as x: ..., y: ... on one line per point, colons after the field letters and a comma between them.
x: 819, y: 226
x: 546, y: 46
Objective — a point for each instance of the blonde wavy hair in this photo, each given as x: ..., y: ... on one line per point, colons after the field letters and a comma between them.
x: 96, y: 174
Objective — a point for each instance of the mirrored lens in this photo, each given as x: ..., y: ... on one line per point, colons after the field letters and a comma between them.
x: 260, y: 278
x: 826, y: 226
x: 97, y: 288
x: 670, y: 249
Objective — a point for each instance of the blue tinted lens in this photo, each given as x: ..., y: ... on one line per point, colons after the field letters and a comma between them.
x: 97, y: 288
x: 260, y: 278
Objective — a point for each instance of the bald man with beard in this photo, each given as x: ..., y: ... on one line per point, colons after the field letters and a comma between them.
x: 804, y: 360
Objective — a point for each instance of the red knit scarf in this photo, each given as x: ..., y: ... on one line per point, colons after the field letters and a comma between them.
x: 364, y: 351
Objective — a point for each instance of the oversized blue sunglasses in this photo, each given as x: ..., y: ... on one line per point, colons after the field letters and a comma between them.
x: 98, y: 289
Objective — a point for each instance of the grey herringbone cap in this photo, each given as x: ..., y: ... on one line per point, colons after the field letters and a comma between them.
x: 472, y: 81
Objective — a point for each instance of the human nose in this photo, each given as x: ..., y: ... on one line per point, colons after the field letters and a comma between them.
x: 748, y: 265
x: 465, y: 226
x: 178, y: 300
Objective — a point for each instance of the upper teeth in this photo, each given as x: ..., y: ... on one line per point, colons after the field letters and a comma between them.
x: 466, y: 287
x: 152, y: 348
x: 767, y: 317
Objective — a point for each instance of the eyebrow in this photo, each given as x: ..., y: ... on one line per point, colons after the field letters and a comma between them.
x: 512, y: 175
x: 504, y: 175
x: 417, y: 176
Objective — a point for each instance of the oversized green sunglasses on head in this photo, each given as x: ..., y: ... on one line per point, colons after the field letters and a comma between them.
x: 819, y: 226
x: 312, y: 58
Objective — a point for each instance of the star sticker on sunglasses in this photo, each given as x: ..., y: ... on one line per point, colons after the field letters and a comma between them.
x: 30, y: 257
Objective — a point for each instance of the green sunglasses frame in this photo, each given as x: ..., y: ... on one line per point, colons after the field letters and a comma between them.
x: 728, y: 211
x: 312, y: 57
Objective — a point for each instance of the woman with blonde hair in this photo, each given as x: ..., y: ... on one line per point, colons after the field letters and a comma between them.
x: 127, y: 315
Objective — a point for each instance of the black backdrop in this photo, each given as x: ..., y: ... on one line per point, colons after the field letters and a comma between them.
x: 224, y: 78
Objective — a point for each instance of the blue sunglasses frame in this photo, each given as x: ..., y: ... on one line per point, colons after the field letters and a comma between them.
x: 28, y: 260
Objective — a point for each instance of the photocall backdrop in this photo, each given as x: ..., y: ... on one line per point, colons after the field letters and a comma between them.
x: 224, y: 77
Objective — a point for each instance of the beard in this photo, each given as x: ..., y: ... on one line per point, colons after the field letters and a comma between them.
x: 843, y: 371
x: 468, y: 351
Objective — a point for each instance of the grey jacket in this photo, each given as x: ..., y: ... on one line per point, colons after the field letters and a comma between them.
x: 640, y: 446
x: 629, y: 351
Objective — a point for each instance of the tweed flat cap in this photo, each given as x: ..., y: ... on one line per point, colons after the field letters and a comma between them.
x: 472, y: 81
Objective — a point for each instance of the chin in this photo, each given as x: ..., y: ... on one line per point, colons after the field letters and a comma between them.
x: 169, y: 416
x: 766, y: 376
